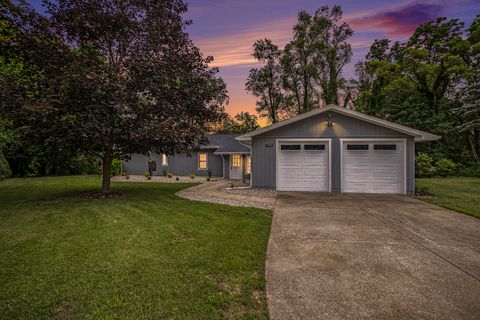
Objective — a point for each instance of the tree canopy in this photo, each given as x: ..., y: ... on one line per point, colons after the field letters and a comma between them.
x: 127, y: 78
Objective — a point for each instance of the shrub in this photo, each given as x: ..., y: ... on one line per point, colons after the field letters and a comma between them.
x: 126, y: 174
x: 232, y: 185
x: 169, y: 175
x: 192, y: 175
x: 147, y: 175
x: 116, y: 167
x: 209, y: 173
x: 244, y: 181
x: 177, y: 178
x: 470, y: 171
x: 424, y: 165
x: 164, y: 172
x: 446, y: 167
x: 208, y: 178
x: 5, y: 170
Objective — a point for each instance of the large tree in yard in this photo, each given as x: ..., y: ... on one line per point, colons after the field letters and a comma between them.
x: 135, y: 82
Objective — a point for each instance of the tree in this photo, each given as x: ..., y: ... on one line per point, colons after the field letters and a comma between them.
x: 313, y: 61
x: 470, y: 113
x: 265, y: 83
x: 299, y: 61
x: 335, y: 51
x: 243, y: 122
x: 132, y: 81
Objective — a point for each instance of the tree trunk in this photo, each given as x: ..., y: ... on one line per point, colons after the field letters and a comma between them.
x: 106, y: 167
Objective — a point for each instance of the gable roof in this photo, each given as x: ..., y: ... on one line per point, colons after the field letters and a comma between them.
x: 417, y: 134
x: 225, y: 144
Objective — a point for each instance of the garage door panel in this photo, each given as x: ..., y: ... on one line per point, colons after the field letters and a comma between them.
x: 303, y: 170
x: 376, y: 171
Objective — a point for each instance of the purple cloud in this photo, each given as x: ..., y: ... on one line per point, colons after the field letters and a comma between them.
x: 401, y: 22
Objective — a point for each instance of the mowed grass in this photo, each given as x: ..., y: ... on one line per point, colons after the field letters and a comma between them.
x: 459, y: 194
x: 145, y: 255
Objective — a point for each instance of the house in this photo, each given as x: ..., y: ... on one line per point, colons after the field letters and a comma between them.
x: 335, y: 149
x: 223, y: 156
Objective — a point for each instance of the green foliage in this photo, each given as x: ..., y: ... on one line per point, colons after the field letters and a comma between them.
x: 177, y: 178
x: 164, y: 172
x: 192, y: 175
x: 5, y: 170
x: 209, y: 173
x: 470, y: 170
x: 169, y: 175
x: 445, y: 167
x: 208, y: 178
x: 147, y: 175
x: 243, y: 122
x: 116, y: 168
x: 424, y: 165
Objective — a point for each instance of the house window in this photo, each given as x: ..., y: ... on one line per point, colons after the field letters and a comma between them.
x: 314, y: 147
x: 290, y: 147
x: 236, y: 160
x: 164, y: 160
x: 385, y: 147
x: 249, y: 165
x: 357, y: 146
x: 202, y: 161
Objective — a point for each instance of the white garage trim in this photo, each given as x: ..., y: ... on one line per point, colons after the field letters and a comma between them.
x: 369, y: 140
x: 283, y: 140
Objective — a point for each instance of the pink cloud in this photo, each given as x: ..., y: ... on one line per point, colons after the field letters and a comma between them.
x: 399, y: 22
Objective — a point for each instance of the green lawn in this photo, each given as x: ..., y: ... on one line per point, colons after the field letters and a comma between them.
x: 459, y: 194
x: 145, y: 255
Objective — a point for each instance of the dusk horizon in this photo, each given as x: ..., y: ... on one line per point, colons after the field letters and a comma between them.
x: 227, y: 29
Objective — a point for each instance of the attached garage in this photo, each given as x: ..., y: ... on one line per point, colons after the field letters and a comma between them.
x: 373, y: 166
x: 334, y: 149
x: 303, y: 165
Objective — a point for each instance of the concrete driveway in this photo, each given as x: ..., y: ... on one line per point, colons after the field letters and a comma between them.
x: 361, y: 256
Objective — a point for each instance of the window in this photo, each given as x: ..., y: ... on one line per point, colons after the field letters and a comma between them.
x: 249, y: 165
x: 314, y: 147
x: 202, y: 161
x: 164, y: 160
x: 385, y: 147
x: 357, y: 146
x: 236, y: 160
x: 290, y: 147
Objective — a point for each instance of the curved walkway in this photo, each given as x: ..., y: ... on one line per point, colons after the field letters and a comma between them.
x: 363, y: 256
x: 216, y: 192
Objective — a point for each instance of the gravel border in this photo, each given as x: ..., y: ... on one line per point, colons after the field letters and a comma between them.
x: 197, y: 193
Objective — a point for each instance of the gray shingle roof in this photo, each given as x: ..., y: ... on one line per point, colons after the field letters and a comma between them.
x: 226, y: 143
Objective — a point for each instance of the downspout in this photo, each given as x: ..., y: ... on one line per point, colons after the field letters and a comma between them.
x: 223, y: 166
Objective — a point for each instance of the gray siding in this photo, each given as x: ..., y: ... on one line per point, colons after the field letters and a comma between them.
x: 179, y: 164
x: 264, y: 159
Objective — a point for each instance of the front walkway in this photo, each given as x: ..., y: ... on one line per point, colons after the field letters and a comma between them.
x: 352, y: 256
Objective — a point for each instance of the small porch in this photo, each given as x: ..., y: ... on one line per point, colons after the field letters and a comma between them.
x: 236, y: 166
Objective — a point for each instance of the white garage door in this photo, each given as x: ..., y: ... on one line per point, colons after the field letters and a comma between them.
x: 303, y: 166
x: 373, y: 167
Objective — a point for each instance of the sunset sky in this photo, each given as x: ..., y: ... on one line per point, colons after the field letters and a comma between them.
x: 226, y: 29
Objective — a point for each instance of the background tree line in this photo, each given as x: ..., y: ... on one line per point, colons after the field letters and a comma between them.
x: 430, y: 81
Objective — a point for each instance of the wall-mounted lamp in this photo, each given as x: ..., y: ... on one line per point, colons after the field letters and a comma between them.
x: 330, y: 120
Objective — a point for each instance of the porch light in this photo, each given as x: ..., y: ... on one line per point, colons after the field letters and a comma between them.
x: 330, y: 120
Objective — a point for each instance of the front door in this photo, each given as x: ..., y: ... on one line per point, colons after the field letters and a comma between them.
x: 235, y: 166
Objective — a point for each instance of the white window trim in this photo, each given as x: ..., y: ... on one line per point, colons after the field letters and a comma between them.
x: 164, y: 157
x: 277, y: 150
x: 403, y: 141
x: 206, y: 161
